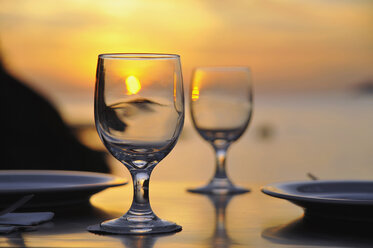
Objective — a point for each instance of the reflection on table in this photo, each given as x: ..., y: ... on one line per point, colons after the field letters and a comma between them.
x: 247, y: 220
x: 220, y: 237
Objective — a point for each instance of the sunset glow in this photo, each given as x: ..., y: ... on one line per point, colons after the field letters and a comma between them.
x: 289, y: 45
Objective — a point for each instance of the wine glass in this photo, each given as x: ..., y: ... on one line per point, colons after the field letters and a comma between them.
x: 139, y: 114
x: 221, y: 106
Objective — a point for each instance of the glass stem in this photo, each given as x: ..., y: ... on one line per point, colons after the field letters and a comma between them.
x: 220, y: 157
x: 140, y: 205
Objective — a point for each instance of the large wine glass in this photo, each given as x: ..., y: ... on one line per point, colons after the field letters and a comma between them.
x: 139, y: 114
x: 221, y: 106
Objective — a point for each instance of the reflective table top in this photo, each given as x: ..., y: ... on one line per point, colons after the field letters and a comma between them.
x: 247, y: 220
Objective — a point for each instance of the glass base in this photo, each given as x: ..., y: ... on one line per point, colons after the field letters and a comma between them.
x: 220, y: 186
x: 124, y: 226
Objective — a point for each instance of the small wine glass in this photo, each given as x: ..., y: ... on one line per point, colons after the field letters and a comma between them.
x: 221, y: 107
x: 139, y: 114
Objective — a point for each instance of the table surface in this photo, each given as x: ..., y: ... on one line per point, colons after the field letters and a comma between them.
x: 248, y: 220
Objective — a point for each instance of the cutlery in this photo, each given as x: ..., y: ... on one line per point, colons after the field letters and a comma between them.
x: 16, y: 204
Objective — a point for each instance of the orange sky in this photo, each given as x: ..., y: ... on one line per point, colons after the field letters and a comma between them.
x: 289, y: 45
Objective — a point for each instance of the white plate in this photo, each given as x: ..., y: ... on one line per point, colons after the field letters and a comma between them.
x: 343, y: 200
x: 53, y: 188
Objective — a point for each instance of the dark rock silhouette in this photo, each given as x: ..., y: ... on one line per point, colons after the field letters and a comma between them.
x: 114, y: 120
x: 365, y: 87
x: 34, y: 135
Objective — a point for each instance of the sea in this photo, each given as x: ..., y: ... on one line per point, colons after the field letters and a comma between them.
x: 328, y: 134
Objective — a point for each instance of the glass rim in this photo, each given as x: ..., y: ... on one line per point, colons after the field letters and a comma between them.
x: 138, y: 56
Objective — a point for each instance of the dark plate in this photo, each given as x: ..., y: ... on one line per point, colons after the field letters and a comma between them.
x: 53, y: 188
x: 325, y: 200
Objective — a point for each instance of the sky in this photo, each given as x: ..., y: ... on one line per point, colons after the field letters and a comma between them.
x: 289, y: 45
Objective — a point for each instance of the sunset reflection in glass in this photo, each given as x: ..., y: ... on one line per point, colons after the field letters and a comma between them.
x: 221, y: 106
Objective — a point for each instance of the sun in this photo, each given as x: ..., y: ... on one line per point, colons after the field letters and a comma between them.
x: 195, y: 93
x: 133, y: 85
